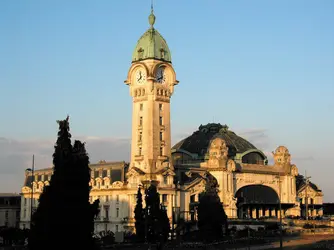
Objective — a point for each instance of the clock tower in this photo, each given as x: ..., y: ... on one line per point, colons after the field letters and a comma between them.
x: 151, y: 80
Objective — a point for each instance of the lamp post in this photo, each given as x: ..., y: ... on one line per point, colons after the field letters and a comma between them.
x: 280, y: 211
x: 175, y: 212
x: 307, y: 182
x: 31, y: 170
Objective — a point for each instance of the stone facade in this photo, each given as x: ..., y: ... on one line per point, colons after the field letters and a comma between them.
x: 248, y: 186
x: 9, y: 209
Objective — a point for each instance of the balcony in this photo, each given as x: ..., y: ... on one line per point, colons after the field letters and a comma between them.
x: 139, y: 157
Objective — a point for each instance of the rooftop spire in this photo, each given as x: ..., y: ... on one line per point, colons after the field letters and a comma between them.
x: 151, y: 17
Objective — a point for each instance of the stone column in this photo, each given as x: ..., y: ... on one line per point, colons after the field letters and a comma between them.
x: 254, y: 213
x: 267, y: 212
x: 196, y: 197
x: 131, y: 205
x: 170, y: 204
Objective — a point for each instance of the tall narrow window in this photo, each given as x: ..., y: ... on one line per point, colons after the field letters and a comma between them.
x: 139, y: 151
x: 107, y: 212
x: 141, y: 121
x: 164, y: 198
x: 160, y: 106
x: 141, y: 107
x: 140, y: 53
x: 117, y: 212
x: 162, y: 52
x: 160, y: 120
x: 140, y: 136
x: 161, y: 136
x: 161, y: 150
x: 117, y: 198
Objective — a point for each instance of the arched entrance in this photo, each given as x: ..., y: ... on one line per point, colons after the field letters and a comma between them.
x: 256, y: 201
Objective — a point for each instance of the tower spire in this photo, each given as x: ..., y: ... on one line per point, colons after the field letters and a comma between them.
x: 151, y: 17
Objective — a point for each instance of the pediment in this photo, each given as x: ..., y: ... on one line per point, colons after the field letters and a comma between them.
x: 134, y: 172
x: 26, y: 189
x: 231, y: 166
x: 198, y: 188
x: 310, y: 191
x: 117, y: 184
x: 194, y: 183
x: 98, y: 179
x: 168, y: 172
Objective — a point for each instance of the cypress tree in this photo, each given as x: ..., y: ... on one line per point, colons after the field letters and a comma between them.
x: 139, y: 218
x: 64, y: 218
x: 158, y: 226
x: 211, y: 214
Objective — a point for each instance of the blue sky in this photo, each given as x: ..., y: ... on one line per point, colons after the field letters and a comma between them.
x: 263, y: 66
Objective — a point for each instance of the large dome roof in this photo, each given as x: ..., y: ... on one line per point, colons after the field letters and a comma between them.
x: 151, y: 45
x: 199, y: 141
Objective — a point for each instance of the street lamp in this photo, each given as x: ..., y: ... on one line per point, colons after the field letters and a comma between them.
x: 307, y: 183
x: 175, y: 211
x: 31, y: 170
x: 280, y: 211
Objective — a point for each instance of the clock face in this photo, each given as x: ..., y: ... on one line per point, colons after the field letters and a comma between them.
x: 161, y: 75
x: 140, y: 76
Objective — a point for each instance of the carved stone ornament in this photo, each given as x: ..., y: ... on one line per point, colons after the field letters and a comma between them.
x: 188, y: 174
x: 294, y: 170
x: 203, y: 174
x: 168, y: 172
x: 26, y: 190
x: 218, y: 152
x: 199, y: 188
x: 282, y: 156
x: 231, y: 167
x: 117, y: 184
x: 132, y: 173
x: 232, y: 201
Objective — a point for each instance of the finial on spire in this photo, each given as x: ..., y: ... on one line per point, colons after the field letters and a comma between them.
x: 151, y: 18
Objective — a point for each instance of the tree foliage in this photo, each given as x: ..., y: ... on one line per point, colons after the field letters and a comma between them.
x: 64, y: 217
x: 211, y: 214
x: 139, y: 218
x: 158, y: 226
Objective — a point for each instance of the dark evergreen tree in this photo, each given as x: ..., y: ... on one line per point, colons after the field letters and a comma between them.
x: 158, y: 226
x: 139, y: 218
x: 64, y: 218
x: 211, y: 214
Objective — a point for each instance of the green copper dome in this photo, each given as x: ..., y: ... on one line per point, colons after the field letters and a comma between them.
x: 151, y: 45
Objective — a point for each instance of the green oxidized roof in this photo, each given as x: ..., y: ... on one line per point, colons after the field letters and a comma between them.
x: 151, y: 45
x: 199, y: 141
